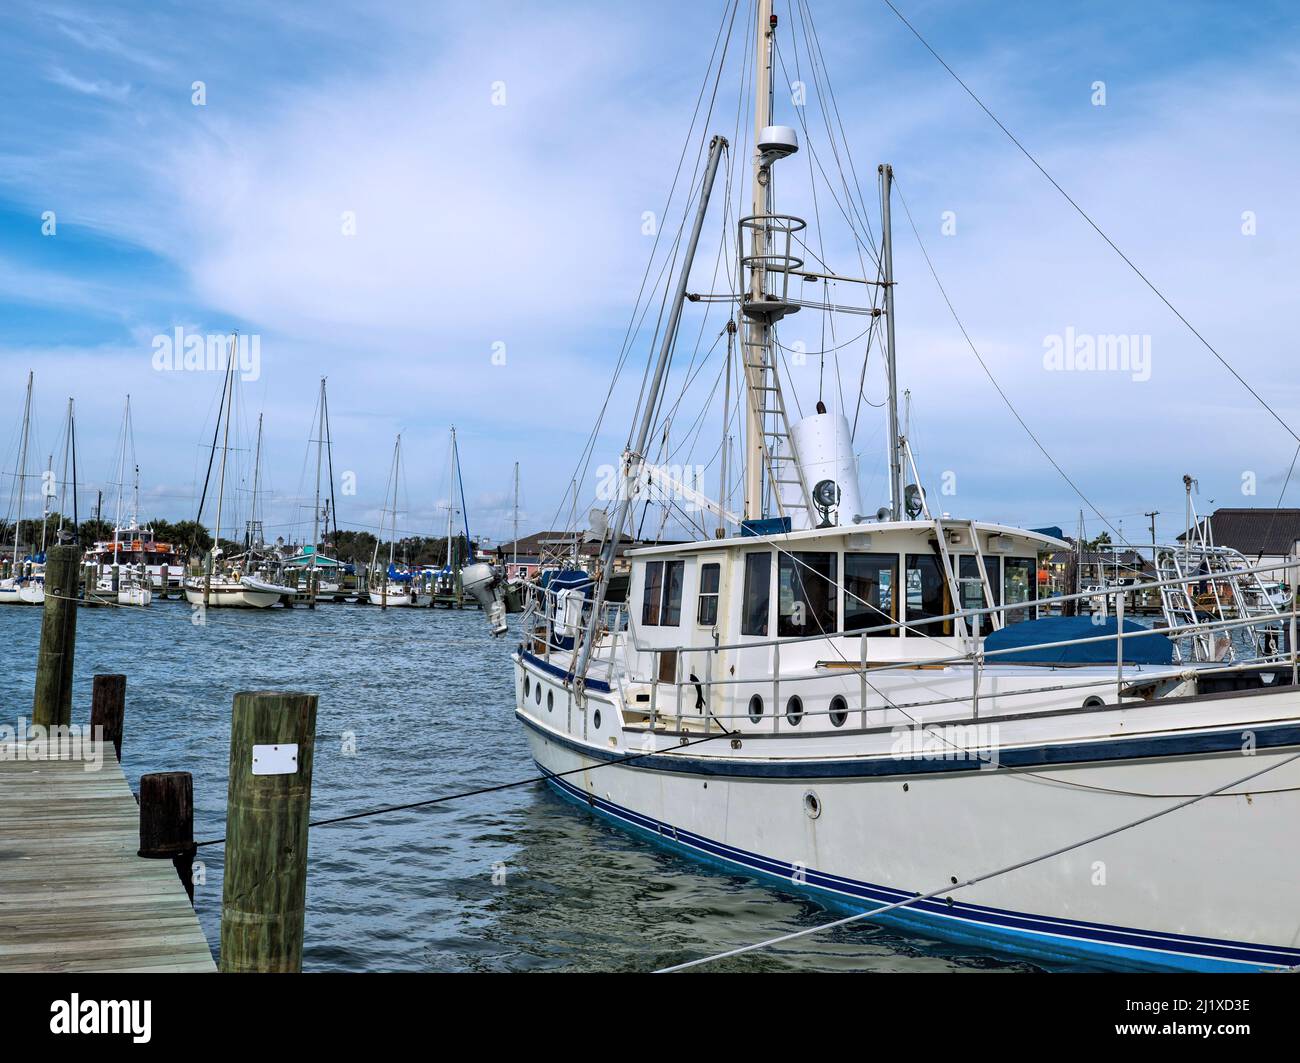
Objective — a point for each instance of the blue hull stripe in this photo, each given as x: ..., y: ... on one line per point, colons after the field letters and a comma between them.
x: 1038, y: 937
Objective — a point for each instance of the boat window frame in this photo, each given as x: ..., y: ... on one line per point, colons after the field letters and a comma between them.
x: 991, y: 562
x: 666, y: 596
x: 923, y: 628
x: 793, y: 562
x: 872, y: 620
x: 1019, y: 616
x: 752, y: 569
x: 706, y: 596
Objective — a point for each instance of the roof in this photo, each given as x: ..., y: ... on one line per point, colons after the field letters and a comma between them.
x: 1254, y: 531
x: 557, y: 544
x: 904, y: 528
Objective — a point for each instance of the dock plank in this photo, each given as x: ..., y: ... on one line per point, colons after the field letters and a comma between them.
x: 74, y: 897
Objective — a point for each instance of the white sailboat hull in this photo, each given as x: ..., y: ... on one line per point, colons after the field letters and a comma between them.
x: 230, y: 595
x: 399, y: 595
x: 138, y: 596
x: 21, y: 593
x: 1196, y: 890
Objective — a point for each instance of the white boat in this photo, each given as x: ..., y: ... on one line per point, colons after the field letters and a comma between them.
x: 395, y: 587
x: 393, y: 594
x: 870, y: 711
x: 235, y: 591
x: 25, y: 585
x: 22, y: 591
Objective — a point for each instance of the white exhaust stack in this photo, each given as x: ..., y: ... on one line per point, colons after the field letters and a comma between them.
x: 480, y: 580
x: 830, y: 469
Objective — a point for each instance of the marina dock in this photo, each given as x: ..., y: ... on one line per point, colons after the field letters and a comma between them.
x: 74, y: 896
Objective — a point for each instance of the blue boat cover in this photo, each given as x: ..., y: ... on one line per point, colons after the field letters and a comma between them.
x: 397, y: 575
x: 566, y: 579
x: 1150, y: 649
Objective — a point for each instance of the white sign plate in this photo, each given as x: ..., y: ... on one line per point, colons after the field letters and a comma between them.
x: 275, y: 760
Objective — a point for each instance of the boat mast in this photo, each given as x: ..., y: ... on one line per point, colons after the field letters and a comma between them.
x: 634, y: 456
x: 257, y: 478
x: 756, y: 351
x: 22, y: 469
x: 886, y: 173
x: 392, y: 534
x: 514, y: 546
x: 315, y: 510
x: 225, y: 446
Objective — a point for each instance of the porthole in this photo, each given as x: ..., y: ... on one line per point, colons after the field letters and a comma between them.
x: 756, y: 708
x: 527, y: 687
x: 794, y: 710
x: 839, y: 710
x: 812, y: 805
x: 537, y: 693
x: 595, y: 719
x: 1094, y: 702
x: 550, y: 700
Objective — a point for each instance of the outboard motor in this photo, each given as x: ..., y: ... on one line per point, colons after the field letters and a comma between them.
x: 480, y: 580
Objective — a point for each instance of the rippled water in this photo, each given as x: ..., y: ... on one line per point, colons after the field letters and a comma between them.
x: 427, y: 694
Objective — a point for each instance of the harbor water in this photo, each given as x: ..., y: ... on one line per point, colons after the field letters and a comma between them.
x: 417, y: 703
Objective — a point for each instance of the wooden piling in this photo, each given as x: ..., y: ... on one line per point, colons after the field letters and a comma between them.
x: 52, y: 704
x: 267, y: 807
x: 167, y: 822
x: 108, y: 709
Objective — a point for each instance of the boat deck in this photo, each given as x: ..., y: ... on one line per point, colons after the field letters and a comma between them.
x: 73, y: 894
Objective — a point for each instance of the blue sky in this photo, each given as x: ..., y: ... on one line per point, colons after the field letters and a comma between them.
x: 479, y: 225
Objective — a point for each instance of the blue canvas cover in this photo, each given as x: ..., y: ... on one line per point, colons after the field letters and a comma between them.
x: 1150, y: 649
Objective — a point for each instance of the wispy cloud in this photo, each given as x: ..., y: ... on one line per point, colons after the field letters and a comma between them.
x: 107, y: 90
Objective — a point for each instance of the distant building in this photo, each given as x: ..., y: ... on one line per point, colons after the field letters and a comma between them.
x: 551, y: 549
x: 1097, y: 568
x: 1262, y: 536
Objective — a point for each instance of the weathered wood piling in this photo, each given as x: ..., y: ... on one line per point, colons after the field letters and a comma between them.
x: 267, y: 808
x: 52, y: 703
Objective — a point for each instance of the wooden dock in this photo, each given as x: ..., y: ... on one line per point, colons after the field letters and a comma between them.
x: 74, y: 896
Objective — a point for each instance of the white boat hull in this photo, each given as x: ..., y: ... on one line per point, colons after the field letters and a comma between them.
x: 1196, y: 890
x: 27, y: 593
x: 138, y: 596
x: 402, y: 597
x: 225, y: 595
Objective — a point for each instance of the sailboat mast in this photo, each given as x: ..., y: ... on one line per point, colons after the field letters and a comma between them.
x: 397, y: 464
x: 756, y: 348
x: 22, y: 467
x: 514, y: 546
x: 257, y: 478
x: 320, y: 452
x: 225, y: 444
x: 887, y: 268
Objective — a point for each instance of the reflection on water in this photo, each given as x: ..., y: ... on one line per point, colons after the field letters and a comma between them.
x: 413, y: 704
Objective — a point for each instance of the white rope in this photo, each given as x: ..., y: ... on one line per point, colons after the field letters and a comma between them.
x: 770, y: 942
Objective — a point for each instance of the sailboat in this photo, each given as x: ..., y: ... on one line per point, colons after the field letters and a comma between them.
x: 448, y: 580
x: 25, y: 584
x: 868, y: 709
x: 394, y: 586
x: 119, y: 564
x: 322, y: 573
x: 250, y: 580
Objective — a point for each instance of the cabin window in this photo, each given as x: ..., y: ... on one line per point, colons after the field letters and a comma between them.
x: 972, y: 588
x: 869, y: 582
x: 661, y: 604
x: 758, y: 593
x: 706, y: 613
x: 1019, y: 584
x: 807, y: 583
x: 927, y: 595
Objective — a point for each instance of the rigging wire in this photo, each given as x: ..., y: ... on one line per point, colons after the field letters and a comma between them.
x: 1086, y: 217
x: 951, y: 888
